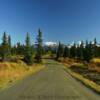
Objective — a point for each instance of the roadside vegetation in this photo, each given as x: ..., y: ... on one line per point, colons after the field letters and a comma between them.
x: 83, y: 61
x: 11, y: 72
x: 87, y: 73
x: 19, y: 60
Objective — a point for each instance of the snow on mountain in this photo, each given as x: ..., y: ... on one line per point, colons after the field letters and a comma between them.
x: 50, y: 44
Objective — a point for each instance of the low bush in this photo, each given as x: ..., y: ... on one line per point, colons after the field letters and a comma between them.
x: 96, y: 61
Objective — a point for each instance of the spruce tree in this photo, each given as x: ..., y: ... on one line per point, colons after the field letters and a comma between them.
x: 27, y: 54
x: 39, y: 48
x: 88, y: 51
x: 66, y: 52
x: 4, y: 47
x: 14, y: 50
x: 78, y: 51
x: 18, y: 49
x: 73, y: 51
x: 95, y: 54
x: 82, y: 50
x: 91, y: 52
x: 27, y: 41
x: 9, y: 44
x: 59, y: 51
x: 9, y: 41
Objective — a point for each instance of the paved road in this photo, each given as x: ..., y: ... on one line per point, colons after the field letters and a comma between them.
x: 51, y: 83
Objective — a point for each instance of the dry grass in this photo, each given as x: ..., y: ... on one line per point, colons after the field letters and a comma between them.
x: 85, y: 81
x: 86, y: 73
x: 66, y: 61
x: 95, y: 64
x: 77, y: 65
x: 95, y: 60
x: 10, y: 72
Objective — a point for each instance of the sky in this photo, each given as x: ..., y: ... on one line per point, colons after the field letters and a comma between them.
x: 59, y: 20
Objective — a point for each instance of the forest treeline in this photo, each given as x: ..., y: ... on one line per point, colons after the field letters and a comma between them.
x: 31, y: 52
x: 27, y: 50
x: 84, y: 51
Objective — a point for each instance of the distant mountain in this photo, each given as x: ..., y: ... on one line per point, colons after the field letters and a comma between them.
x: 51, y: 44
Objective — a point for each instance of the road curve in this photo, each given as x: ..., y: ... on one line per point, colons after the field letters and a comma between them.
x: 51, y: 83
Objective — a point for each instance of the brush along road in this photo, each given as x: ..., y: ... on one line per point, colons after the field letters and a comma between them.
x: 51, y: 83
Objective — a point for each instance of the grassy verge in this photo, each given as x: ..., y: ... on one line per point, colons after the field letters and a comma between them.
x: 87, y: 73
x: 85, y: 81
x: 12, y: 72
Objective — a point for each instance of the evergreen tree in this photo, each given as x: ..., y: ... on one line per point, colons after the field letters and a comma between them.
x: 39, y: 48
x: 88, y: 51
x: 27, y: 41
x: 18, y: 49
x: 9, y: 41
x: 73, y: 51
x: 4, y: 47
x: 91, y: 50
x: 32, y: 49
x: 9, y: 44
x: 95, y: 52
x: 28, y: 55
x: 95, y: 42
x: 5, y: 39
x: 78, y: 51
x: 82, y: 50
x: 66, y: 52
x: 59, y: 51
x: 14, y: 50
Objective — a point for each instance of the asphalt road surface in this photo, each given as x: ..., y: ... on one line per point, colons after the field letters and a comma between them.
x: 51, y: 83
